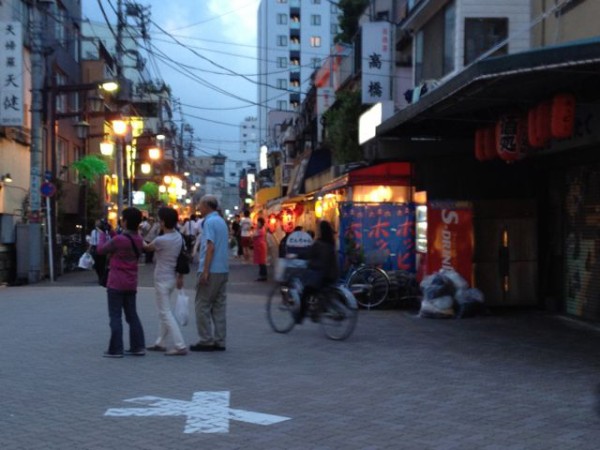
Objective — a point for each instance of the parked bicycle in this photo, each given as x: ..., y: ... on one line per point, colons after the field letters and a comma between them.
x: 370, y: 283
x: 334, y: 307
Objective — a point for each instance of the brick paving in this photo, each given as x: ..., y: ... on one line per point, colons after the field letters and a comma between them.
x: 514, y: 381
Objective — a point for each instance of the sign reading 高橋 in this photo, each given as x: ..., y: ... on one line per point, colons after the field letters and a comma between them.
x: 382, y: 233
x: 11, y: 74
x: 376, y: 62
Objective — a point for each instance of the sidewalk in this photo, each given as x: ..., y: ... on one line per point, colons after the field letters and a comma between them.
x: 521, y: 381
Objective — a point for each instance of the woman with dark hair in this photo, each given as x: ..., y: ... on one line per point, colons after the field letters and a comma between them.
x: 167, y: 247
x: 259, y: 243
x: 322, y: 266
x: 121, y: 287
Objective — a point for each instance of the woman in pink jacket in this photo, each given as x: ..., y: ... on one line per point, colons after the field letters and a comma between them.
x: 259, y: 241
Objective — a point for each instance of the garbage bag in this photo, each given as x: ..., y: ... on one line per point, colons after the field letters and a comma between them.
x: 457, y: 280
x: 469, y: 303
x: 430, y: 311
x: 437, y: 285
x: 182, y: 307
x: 86, y: 261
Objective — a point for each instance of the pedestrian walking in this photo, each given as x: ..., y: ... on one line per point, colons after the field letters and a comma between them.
x: 259, y: 243
x: 149, y: 233
x: 121, y: 286
x: 236, y: 231
x: 99, y: 260
x: 213, y: 272
x: 246, y: 235
x: 167, y: 247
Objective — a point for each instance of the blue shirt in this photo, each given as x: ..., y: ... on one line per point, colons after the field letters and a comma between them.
x: 215, y: 229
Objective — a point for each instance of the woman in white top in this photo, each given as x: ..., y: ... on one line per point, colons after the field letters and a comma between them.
x: 166, y: 248
x: 246, y: 233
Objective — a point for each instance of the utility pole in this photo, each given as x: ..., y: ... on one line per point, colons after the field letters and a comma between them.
x: 37, y: 84
x: 121, y: 145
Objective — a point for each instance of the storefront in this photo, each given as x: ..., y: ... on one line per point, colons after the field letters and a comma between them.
x: 533, y: 188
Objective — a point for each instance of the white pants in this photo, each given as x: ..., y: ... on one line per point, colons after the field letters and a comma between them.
x: 166, y: 321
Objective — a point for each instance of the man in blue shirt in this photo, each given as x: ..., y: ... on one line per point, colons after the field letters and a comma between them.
x: 213, y: 272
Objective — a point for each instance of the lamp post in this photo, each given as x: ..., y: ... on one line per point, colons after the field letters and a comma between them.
x: 120, y: 130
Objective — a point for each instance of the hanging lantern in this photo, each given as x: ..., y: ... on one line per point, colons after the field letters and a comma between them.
x: 489, y: 143
x: 287, y: 220
x: 479, y: 149
x: 510, y: 137
x: 272, y: 223
x: 538, y: 125
x: 298, y: 209
x: 562, y: 122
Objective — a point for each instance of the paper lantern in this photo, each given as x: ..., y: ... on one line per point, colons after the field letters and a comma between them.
x: 272, y: 223
x: 298, y: 209
x: 479, y: 149
x: 489, y: 142
x: 287, y: 220
x: 562, y: 122
x: 538, y: 125
x: 510, y: 137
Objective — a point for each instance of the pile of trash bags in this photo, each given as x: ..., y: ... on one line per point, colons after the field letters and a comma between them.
x: 447, y: 295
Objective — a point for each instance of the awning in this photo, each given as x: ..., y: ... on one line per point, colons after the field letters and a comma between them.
x: 480, y: 93
x: 387, y: 174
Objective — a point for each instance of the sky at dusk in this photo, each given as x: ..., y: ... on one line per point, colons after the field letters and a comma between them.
x: 211, y: 69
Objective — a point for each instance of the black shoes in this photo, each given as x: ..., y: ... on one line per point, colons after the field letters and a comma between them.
x: 137, y: 352
x: 207, y: 348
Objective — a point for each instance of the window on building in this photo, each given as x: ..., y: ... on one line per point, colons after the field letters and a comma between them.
x: 315, y: 63
x: 315, y: 19
x: 282, y: 40
x: 60, y: 25
x: 282, y: 105
x: 282, y: 19
x: 334, y: 8
x: 315, y: 41
x: 281, y: 1
x: 316, y: 2
x: 438, y: 37
x: 334, y: 28
x: 483, y: 34
x: 282, y: 62
x: 281, y: 83
x: 61, y: 99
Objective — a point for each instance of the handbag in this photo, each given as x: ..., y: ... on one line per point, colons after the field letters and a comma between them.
x: 86, y: 261
x: 182, y: 266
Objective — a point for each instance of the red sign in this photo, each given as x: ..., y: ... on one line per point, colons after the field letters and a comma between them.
x: 450, y: 238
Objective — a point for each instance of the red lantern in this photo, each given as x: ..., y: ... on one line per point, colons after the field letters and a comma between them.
x: 287, y: 220
x: 538, y: 125
x: 510, y: 134
x: 479, y: 149
x: 298, y: 209
x: 563, y: 116
x: 489, y: 142
x: 272, y: 223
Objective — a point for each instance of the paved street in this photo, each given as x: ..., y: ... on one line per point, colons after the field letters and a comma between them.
x: 514, y: 381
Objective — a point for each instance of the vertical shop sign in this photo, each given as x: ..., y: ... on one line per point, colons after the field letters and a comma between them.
x: 376, y: 62
x: 450, y: 237
x: 11, y: 74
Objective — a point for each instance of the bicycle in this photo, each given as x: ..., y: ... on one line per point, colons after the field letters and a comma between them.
x: 334, y: 307
x: 370, y: 283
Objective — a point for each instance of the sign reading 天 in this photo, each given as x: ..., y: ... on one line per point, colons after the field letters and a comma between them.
x: 11, y: 74
x: 376, y: 62
x: 208, y: 412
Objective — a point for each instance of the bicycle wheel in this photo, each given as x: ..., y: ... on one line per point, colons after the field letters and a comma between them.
x: 374, y: 286
x: 338, y: 315
x: 280, y: 310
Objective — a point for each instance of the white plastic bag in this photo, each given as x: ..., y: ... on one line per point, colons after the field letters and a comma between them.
x: 182, y: 307
x: 86, y: 261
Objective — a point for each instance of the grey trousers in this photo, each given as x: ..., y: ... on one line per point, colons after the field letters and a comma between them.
x: 211, y: 305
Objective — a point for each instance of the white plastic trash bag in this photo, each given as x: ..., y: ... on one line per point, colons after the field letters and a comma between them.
x: 86, y: 261
x: 182, y: 307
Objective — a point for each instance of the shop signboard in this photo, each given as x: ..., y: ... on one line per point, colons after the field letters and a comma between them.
x: 450, y: 237
x: 383, y: 233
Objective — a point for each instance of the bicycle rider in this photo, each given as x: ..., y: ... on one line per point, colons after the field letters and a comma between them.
x: 322, y: 269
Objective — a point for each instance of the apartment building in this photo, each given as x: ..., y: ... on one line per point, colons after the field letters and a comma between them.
x: 294, y: 37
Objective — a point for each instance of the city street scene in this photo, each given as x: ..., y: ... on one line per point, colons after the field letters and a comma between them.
x: 300, y: 224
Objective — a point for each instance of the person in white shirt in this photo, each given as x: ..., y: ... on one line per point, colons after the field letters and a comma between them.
x: 246, y: 233
x: 167, y: 247
x: 99, y: 260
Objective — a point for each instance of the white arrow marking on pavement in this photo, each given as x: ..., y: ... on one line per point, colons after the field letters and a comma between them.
x: 208, y: 412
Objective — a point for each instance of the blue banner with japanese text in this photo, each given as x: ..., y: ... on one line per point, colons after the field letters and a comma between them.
x: 378, y: 233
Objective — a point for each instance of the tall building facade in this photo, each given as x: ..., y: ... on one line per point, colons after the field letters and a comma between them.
x: 294, y: 37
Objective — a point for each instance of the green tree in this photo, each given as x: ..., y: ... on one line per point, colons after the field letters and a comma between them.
x: 351, y: 10
x: 341, y: 123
